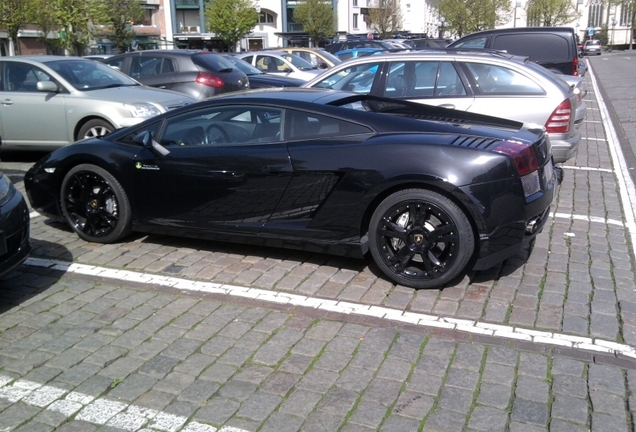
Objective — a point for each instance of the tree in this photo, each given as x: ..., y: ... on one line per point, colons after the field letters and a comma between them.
x: 385, y: 17
x: 551, y: 13
x: 317, y: 18
x: 231, y: 20
x: 72, y: 20
x: 119, y: 16
x: 468, y: 16
x: 13, y: 15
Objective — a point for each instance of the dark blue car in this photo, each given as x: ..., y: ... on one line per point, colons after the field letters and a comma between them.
x: 14, y: 226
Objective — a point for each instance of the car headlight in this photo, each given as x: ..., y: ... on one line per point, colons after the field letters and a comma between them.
x: 142, y: 110
x: 7, y: 190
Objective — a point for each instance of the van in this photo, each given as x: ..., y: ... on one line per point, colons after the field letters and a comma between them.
x: 554, y: 48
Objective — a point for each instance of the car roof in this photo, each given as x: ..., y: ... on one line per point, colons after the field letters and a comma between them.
x: 520, y: 30
x: 45, y: 58
x: 441, y: 53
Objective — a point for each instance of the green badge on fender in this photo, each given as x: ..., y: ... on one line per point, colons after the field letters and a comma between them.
x: 138, y: 165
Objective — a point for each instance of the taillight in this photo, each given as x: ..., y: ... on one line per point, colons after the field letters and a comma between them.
x: 575, y: 65
x: 559, y: 121
x: 209, y: 80
x: 523, y: 155
x: 526, y: 162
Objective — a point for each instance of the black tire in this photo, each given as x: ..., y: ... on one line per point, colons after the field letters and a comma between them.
x: 95, y: 205
x: 95, y: 129
x: 420, y: 238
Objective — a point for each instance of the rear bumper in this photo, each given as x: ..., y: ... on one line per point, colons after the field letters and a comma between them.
x: 15, y: 245
x: 565, y: 148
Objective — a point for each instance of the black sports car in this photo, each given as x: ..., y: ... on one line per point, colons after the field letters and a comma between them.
x: 14, y: 226
x: 429, y: 192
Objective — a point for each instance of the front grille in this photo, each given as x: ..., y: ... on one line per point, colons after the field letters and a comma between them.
x: 14, y: 241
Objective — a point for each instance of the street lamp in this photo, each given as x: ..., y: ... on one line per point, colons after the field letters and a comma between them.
x: 440, y: 24
x: 613, y: 30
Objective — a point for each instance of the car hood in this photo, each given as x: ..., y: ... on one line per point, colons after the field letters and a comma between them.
x: 276, y: 80
x: 131, y: 94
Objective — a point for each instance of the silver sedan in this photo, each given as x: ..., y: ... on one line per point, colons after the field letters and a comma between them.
x: 490, y: 83
x: 50, y: 101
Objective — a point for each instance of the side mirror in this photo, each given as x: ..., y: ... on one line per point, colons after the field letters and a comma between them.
x: 47, y: 87
x: 144, y: 139
x: 323, y: 65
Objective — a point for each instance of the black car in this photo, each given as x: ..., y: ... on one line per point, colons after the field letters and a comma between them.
x: 259, y: 79
x: 554, y: 48
x: 199, y: 74
x: 14, y: 226
x: 422, y: 43
x: 429, y: 192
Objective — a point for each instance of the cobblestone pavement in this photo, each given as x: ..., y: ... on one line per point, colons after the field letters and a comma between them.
x: 548, y: 345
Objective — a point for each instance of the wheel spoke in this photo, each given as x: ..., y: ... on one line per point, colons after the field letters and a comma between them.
x: 443, y: 234
x: 392, y: 230
x: 402, y: 258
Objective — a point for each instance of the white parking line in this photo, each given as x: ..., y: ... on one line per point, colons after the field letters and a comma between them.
x: 595, y: 219
x: 99, y: 411
x: 587, y: 168
x: 469, y: 326
x: 626, y: 188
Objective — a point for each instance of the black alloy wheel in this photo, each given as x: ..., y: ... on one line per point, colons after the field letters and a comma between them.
x: 420, y: 239
x: 95, y: 205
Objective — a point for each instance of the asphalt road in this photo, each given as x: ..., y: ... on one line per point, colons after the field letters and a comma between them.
x: 166, y: 334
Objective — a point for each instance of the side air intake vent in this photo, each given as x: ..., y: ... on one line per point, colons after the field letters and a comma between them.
x: 475, y: 142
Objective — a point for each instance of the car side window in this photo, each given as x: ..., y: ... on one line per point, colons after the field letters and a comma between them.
x: 448, y: 81
x: 498, y: 80
x: 227, y: 126
x: 411, y: 79
x: 23, y: 77
x: 357, y: 78
x: 116, y: 64
x: 303, y: 125
x: 474, y: 43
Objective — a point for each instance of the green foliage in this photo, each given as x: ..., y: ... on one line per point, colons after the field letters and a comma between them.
x: 119, y: 17
x: 551, y: 12
x: 468, y: 16
x: 72, y: 20
x: 14, y: 14
x: 385, y: 17
x: 231, y: 20
x: 317, y: 18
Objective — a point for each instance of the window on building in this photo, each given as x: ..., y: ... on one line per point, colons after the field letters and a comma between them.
x: 355, y: 2
x: 355, y: 21
x: 595, y: 18
x: 266, y: 18
x: 626, y: 14
x: 149, y: 14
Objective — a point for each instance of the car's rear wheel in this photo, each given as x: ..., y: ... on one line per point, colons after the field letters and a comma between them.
x: 95, y: 205
x: 420, y: 238
x: 95, y: 129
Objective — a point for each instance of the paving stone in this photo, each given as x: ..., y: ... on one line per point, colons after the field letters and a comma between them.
x: 132, y: 387
x: 530, y: 412
x: 444, y: 421
x: 494, y: 395
x: 400, y: 424
x: 239, y: 390
x: 300, y: 403
x: 218, y: 410
x: 338, y: 401
x: 278, y: 422
x: 532, y: 389
x: 413, y: 405
x: 259, y: 406
x: 198, y: 392
x: 488, y: 419
x: 456, y: 399
x: 610, y: 379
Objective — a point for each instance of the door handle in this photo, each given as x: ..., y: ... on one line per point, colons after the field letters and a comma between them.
x: 450, y: 106
x: 7, y: 102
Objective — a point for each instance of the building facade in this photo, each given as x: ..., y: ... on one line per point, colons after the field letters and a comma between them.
x: 181, y: 24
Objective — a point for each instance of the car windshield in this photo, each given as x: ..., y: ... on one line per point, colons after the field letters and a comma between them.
x: 593, y: 42
x: 86, y: 75
x: 243, y: 66
x: 298, y: 62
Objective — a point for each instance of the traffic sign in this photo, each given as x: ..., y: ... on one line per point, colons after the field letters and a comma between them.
x: 590, y: 31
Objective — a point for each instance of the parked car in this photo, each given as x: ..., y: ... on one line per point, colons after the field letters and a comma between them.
x: 199, y: 74
x: 426, y: 191
x: 315, y: 56
x: 577, y: 84
x: 421, y: 43
x: 14, y: 222
x: 51, y: 101
x: 357, y: 43
x: 260, y: 79
x: 280, y: 63
x: 551, y: 47
x: 357, y: 52
x: 481, y: 82
x: 592, y: 46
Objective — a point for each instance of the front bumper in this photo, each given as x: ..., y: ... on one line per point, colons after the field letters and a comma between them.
x: 15, y: 245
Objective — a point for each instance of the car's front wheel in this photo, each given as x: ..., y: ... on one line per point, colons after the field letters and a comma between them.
x: 95, y: 129
x: 95, y: 204
x: 420, y: 238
